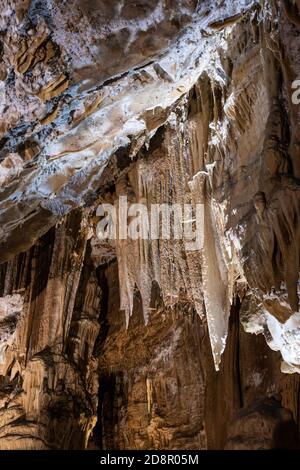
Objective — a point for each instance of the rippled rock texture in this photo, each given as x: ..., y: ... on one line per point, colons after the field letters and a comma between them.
x: 143, y: 344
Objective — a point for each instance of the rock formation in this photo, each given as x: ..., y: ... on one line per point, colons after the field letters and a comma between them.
x: 146, y: 343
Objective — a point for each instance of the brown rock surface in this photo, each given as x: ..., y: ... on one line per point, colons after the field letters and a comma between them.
x: 145, y: 344
x: 263, y: 426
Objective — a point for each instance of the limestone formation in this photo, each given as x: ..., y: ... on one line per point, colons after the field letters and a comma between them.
x: 147, y: 343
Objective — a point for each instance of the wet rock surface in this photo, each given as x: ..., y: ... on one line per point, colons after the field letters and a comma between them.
x: 141, y: 344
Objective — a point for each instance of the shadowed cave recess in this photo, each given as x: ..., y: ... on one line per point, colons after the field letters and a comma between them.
x: 146, y: 344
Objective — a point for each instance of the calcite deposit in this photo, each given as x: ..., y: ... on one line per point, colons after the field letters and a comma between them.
x: 147, y: 343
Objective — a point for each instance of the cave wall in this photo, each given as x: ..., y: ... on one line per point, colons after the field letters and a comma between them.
x: 159, y: 388
x: 82, y: 379
x: 138, y: 344
x: 49, y: 313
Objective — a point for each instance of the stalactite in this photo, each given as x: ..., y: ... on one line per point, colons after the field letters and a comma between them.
x: 158, y: 103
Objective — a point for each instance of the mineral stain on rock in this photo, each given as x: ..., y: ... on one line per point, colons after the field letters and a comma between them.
x: 144, y: 344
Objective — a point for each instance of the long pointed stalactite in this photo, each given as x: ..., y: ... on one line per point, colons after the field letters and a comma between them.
x: 145, y: 343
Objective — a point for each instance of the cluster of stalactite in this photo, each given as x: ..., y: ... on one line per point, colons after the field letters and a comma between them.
x: 145, y: 343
